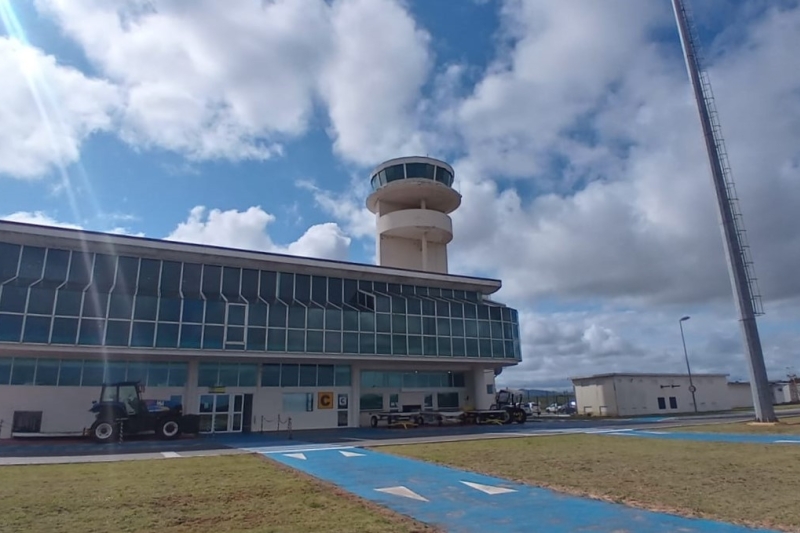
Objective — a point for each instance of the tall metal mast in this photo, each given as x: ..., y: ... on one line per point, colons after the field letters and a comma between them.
x: 740, y: 266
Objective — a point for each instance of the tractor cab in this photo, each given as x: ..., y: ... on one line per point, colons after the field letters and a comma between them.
x: 125, y: 395
x: 508, y: 398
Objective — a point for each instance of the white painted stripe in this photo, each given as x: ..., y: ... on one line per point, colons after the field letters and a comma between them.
x: 403, y: 492
x: 488, y: 489
x: 787, y: 442
x: 267, y: 449
x: 606, y: 431
x: 351, y: 454
x: 170, y: 454
x: 295, y: 455
x: 654, y: 432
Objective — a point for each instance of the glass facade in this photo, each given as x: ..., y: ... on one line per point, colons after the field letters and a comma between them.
x: 411, y: 380
x: 304, y: 375
x: 90, y: 373
x: 402, y: 171
x: 62, y: 297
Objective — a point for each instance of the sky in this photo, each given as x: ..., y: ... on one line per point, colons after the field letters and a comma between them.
x: 570, y: 125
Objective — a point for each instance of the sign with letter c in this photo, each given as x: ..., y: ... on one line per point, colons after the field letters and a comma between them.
x: 325, y: 400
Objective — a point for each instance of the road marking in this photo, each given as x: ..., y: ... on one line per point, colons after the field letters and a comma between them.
x: 294, y: 449
x: 787, y: 442
x: 351, y: 454
x: 403, y: 492
x: 296, y: 455
x: 606, y: 431
x: 488, y: 489
x: 654, y: 432
x: 170, y: 454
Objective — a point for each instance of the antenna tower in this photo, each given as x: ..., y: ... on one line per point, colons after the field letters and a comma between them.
x: 740, y: 264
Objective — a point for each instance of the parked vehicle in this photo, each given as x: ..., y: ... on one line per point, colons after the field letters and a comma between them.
x: 532, y: 408
x: 122, y: 411
x: 511, y: 401
x: 568, y: 408
x: 552, y: 408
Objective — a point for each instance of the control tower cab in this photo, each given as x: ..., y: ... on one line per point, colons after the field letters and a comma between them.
x: 412, y: 198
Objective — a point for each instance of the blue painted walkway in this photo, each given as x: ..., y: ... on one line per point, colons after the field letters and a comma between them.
x: 709, y: 437
x: 460, y: 501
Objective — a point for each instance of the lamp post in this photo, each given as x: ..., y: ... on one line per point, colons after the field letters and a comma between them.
x: 692, y: 388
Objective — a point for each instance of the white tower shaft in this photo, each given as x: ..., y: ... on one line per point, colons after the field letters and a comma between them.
x: 412, y: 199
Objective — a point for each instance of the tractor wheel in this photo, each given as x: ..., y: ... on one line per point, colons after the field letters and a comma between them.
x: 168, y: 429
x: 519, y: 416
x: 105, y: 431
x: 507, y: 418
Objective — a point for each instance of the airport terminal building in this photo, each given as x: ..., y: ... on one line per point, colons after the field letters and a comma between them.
x: 247, y: 339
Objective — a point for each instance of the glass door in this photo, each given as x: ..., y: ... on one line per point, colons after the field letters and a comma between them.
x: 221, y: 413
x: 236, y: 418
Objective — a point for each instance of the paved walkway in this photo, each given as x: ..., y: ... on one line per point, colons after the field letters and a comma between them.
x: 42, y: 451
x: 464, y: 502
x: 706, y: 437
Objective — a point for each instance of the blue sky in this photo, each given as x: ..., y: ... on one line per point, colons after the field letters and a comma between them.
x: 570, y: 126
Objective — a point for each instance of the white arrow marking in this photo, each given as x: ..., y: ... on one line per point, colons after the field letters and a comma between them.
x: 488, y: 489
x: 351, y: 454
x: 404, y: 492
x: 170, y: 454
x: 296, y: 455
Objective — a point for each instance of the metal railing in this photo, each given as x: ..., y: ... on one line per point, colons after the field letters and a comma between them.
x: 279, y: 421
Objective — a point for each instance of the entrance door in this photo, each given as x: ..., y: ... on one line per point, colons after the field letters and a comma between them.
x: 221, y: 413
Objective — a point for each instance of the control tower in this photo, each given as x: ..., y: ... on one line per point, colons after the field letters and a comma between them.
x: 412, y: 198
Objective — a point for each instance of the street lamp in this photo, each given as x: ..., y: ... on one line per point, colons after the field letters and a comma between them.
x: 692, y: 388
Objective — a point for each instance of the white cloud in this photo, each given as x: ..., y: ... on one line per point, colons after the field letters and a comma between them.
x: 634, y: 217
x: 47, y: 112
x: 559, y: 345
x: 347, y: 207
x: 217, y: 80
x: 372, y: 83
x: 210, y: 79
x: 247, y: 230
x: 564, y: 59
x: 39, y: 218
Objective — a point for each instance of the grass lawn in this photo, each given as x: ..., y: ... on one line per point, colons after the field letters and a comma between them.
x: 786, y: 426
x: 228, y: 494
x: 743, y: 483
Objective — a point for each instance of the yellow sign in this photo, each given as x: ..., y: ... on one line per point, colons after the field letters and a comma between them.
x: 325, y: 400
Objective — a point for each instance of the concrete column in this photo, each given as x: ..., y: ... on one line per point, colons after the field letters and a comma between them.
x: 481, y: 377
x: 355, y: 396
x: 378, y: 258
x: 424, y: 253
x: 191, y: 400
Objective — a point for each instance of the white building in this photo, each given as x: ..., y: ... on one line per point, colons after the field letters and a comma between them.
x: 648, y: 394
x: 786, y: 391
x: 245, y: 339
x: 782, y: 392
